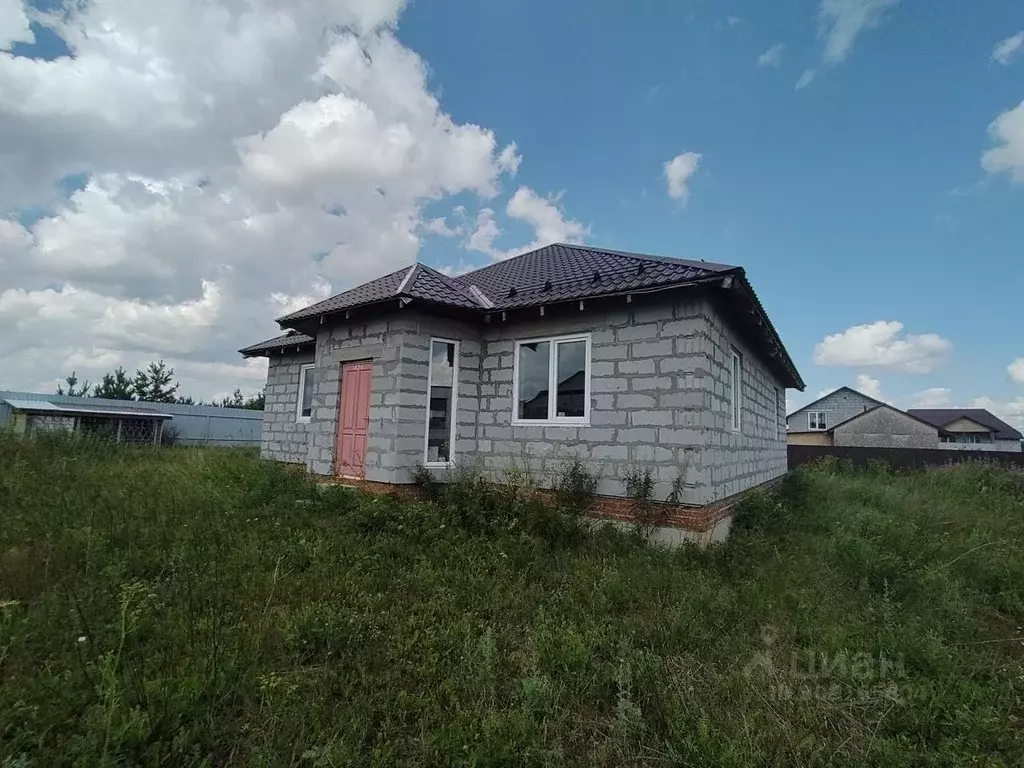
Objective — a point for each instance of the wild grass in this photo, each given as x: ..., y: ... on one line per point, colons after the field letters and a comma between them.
x: 200, y: 607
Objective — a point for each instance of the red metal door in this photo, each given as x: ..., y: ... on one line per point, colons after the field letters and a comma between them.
x: 353, y: 419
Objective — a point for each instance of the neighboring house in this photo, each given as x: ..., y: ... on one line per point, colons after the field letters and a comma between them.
x: 621, y: 359
x: 811, y: 424
x: 972, y: 429
x: 847, y: 417
x: 880, y: 426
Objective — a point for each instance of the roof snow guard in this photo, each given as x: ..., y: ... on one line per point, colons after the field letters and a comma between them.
x: 555, y: 274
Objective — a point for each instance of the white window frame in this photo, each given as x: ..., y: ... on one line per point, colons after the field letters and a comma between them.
x: 455, y: 404
x: 303, y: 372
x: 553, y: 419
x: 821, y: 417
x: 736, y: 390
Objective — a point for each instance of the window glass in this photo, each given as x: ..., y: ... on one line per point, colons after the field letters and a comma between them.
x: 306, y: 407
x: 441, y: 402
x: 572, y: 378
x: 534, y: 374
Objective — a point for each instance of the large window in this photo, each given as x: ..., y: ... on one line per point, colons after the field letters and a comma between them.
x: 736, y: 390
x: 442, y: 381
x: 817, y: 420
x: 305, y: 409
x: 552, y: 381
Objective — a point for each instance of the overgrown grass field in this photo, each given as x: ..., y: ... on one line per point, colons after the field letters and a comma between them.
x: 199, y: 607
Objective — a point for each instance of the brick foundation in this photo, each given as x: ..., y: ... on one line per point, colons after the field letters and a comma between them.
x: 618, y: 509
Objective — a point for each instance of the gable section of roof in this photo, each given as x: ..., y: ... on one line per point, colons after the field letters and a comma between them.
x: 367, y: 293
x: 811, y: 405
x: 430, y: 285
x: 940, y: 417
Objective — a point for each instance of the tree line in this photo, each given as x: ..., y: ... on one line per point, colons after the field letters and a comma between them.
x: 152, y: 385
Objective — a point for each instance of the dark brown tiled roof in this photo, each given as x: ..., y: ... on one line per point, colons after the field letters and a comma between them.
x: 290, y: 339
x: 416, y: 282
x: 367, y: 293
x: 941, y: 417
x: 562, y: 272
x: 553, y: 273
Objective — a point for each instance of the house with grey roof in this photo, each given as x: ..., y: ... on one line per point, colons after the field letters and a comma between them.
x: 620, y: 359
x: 848, y: 418
x: 971, y: 429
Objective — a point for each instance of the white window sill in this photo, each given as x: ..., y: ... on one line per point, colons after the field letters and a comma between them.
x: 438, y: 464
x: 303, y: 419
x: 549, y: 423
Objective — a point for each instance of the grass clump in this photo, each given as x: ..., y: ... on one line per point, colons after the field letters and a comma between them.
x: 200, y: 607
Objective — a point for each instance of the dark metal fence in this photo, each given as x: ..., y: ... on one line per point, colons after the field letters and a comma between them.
x: 905, y: 458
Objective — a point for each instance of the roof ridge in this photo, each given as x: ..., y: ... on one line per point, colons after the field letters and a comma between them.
x: 470, y: 291
x: 407, y: 279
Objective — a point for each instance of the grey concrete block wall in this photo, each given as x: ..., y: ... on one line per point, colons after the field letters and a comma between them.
x: 398, y: 346
x: 839, y: 406
x: 284, y: 437
x: 659, y: 398
x: 373, y: 340
x: 886, y: 428
x: 734, y: 461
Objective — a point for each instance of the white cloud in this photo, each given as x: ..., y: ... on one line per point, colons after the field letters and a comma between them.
x: 1016, y: 370
x: 1008, y: 48
x: 936, y: 397
x: 14, y: 24
x: 257, y: 156
x: 543, y: 214
x: 439, y: 226
x: 1010, y: 411
x: 841, y: 21
x: 678, y: 171
x: 883, y: 345
x: 1008, y: 129
x: 772, y: 56
x: 732, y: 21
x: 805, y: 79
x: 869, y: 386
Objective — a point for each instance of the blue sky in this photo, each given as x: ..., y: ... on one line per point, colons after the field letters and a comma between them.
x: 175, y: 176
x: 856, y: 199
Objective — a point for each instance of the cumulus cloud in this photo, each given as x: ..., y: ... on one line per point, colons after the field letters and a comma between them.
x: 257, y: 156
x: 1010, y: 411
x: 869, y: 386
x: 805, y: 79
x: 772, y: 57
x: 1008, y: 131
x: 543, y: 214
x: 678, y: 171
x: 841, y: 21
x: 883, y: 344
x: 1016, y: 370
x: 14, y: 24
x: 935, y: 397
x: 1008, y: 48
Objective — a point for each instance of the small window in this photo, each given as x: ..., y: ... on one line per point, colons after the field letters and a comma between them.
x: 817, y: 420
x: 305, y: 393
x: 442, y: 387
x: 736, y: 390
x: 552, y: 381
